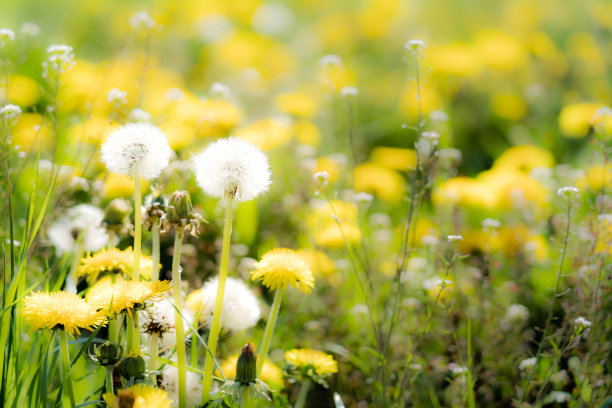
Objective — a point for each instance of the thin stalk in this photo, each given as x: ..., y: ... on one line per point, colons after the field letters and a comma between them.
x: 267, y: 337
x: 112, y: 330
x: 303, y: 394
x: 155, y: 250
x: 109, y: 379
x: 216, y: 323
x: 65, y: 367
x: 71, y: 282
x: 130, y: 336
x: 552, y: 304
x: 137, y: 223
x: 153, y: 342
x: 136, y: 333
x: 246, y: 401
x: 178, y: 319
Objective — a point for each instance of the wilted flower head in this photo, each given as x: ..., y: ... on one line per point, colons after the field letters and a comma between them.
x: 232, y: 167
x: 82, y: 222
x: 240, y: 310
x: 60, y: 59
x: 158, y: 318
x: 140, y: 20
x: 136, y: 149
x: 180, y: 215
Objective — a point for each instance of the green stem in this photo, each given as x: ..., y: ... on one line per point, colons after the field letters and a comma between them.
x: 303, y: 394
x: 65, y: 371
x: 267, y: 337
x: 136, y: 333
x: 112, y: 330
x: 130, y: 334
x: 109, y: 379
x: 71, y: 282
x: 246, y: 401
x: 137, y: 223
x: 216, y: 323
x: 155, y: 250
x: 178, y: 319
x: 153, y: 341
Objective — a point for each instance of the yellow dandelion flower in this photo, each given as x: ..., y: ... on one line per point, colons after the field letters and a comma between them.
x: 44, y: 310
x: 296, y: 104
x: 395, y: 158
x: 138, y: 396
x: 305, y: 359
x: 281, y: 267
x: 271, y: 374
x: 113, y: 261
x: 524, y: 158
x: 386, y: 183
x: 124, y: 295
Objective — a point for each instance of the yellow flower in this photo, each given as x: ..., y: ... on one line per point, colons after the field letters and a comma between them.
x: 114, y: 261
x: 44, y: 310
x: 464, y: 191
x: 305, y: 359
x: 325, y: 228
x: 296, y: 104
x: 384, y: 182
x: 395, y: 158
x: 525, y: 158
x: 117, y: 185
x: 508, y: 106
x: 31, y: 131
x: 500, y: 51
x: 595, y: 178
x: 456, y: 58
x: 271, y: 374
x: 575, y: 119
x: 281, y: 267
x: 23, y: 91
x: 195, y: 302
x: 333, y: 236
x: 306, y: 132
x: 267, y: 133
x: 138, y: 396
x: 124, y: 295
x: 318, y: 261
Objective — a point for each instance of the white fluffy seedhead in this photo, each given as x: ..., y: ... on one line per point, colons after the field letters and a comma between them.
x: 170, y: 382
x: 136, y: 147
x: 234, y: 167
x: 82, y: 222
x: 241, y: 309
x: 158, y: 318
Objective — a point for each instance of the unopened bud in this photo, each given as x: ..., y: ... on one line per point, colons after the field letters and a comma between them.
x: 133, y: 367
x: 246, y: 368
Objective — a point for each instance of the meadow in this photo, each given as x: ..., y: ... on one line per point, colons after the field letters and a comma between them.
x: 373, y: 203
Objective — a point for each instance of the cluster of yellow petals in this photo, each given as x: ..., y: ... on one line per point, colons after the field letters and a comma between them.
x: 124, y: 295
x: 281, y: 267
x: 114, y: 261
x: 138, y: 396
x: 323, y: 364
x: 44, y: 310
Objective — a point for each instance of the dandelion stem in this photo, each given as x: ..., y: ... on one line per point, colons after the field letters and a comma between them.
x: 130, y: 334
x: 155, y: 250
x: 112, y: 330
x: 216, y: 323
x: 137, y: 222
x: 246, y: 401
x: 178, y: 319
x: 109, y: 379
x: 301, y: 400
x: 153, y: 341
x: 71, y: 282
x: 267, y: 338
x: 65, y: 371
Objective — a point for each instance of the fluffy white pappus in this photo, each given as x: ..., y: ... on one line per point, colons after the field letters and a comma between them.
x: 158, y: 318
x: 241, y: 309
x: 136, y: 148
x: 170, y: 383
x: 82, y: 222
x: 232, y: 166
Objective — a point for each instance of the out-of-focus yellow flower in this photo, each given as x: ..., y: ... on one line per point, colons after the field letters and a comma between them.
x: 320, y: 264
x: 543, y: 47
x: 331, y: 166
x: 524, y: 158
x: 601, y: 13
x: 138, y: 396
x: 281, y: 267
x: 116, y: 186
x: 325, y: 228
x: 515, y: 189
x: 334, y: 236
x: 422, y: 226
x: 583, y: 46
x: 338, y: 31
x: 267, y: 133
x: 465, y: 192
x: 271, y: 374
x: 23, y: 91
x: 195, y: 302
x: 218, y: 117
x: 307, y: 132
x: 67, y: 311
x: 305, y: 360
x: 394, y: 157
x: 179, y: 134
x: 77, y: 92
x: 500, y: 51
x: 382, y: 181
x: 439, y: 288
x: 455, y: 59
x: 430, y: 101
x: 512, y: 240
x: 595, y: 178
x: 575, y: 119
x: 377, y: 17
x: 93, y: 130
x: 124, y: 295
x: 337, y: 76
x: 30, y: 132
x: 114, y: 261
x: 508, y: 106
x: 297, y: 104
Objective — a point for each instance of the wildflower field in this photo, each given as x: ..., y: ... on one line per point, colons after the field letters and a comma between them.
x: 305, y: 203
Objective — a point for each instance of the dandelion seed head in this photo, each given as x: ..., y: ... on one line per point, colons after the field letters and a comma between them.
x: 516, y: 313
x: 82, y: 222
x: 158, y: 318
x: 136, y: 148
x: 234, y: 167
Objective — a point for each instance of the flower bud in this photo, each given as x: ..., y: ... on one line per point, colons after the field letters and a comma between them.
x: 132, y: 367
x: 180, y: 212
x: 108, y: 354
x: 246, y: 368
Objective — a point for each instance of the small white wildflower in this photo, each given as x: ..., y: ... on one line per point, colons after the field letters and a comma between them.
x: 363, y: 197
x: 330, y: 60
x: 170, y: 383
x: 490, y: 223
x: 219, y: 89
x: 321, y: 177
x: 454, y: 239
x: 557, y: 396
x: 9, y: 112
x: 380, y: 220
x: 241, y: 309
x: 582, y: 322
x: 431, y: 136
x: 349, y: 91
x: 273, y: 18
x: 359, y: 308
x: 516, y: 313
x: 416, y: 367
x: 174, y: 94
x: 6, y: 35
x: 438, y: 116
x: 450, y: 155
x: 234, y: 167
x: 415, y: 46
x: 140, y: 20
x: 527, y: 363
x: 82, y: 222
x: 29, y: 29
x: 158, y: 318
x: 139, y: 115
x: 457, y: 370
x: 213, y: 26
x: 567, y: 192
x: 430, y: 240
x: 601, y: 118
x: 136, y: 149
x: 116, y: 96
x: 60, y: 59
x: 305, y: 151
x: 423, y: 147
x: 436, y: 283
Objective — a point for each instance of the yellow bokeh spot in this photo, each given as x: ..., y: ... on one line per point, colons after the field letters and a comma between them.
x: 455, y: 59
x: 307, y: 132
x: 297, y: 104
x: 508, y: 106
x: 501, y: 51
x: 268, y: 133
x: 575, y: 119
x: 94, y: 130
x: 23, y: 91
x: 394, y: 158
x: 382, y: 181
x: 30, y: 132
x: 595, y: 178
x: 116, y: 186
x: 524, y: 158
x: 329, y: 165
